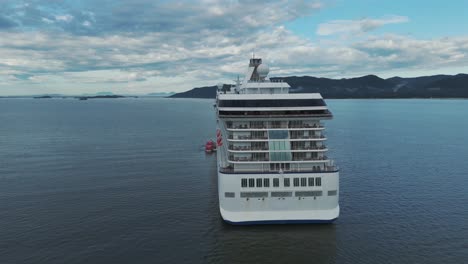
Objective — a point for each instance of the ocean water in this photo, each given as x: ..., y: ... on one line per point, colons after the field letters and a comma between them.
x: 127, y: 181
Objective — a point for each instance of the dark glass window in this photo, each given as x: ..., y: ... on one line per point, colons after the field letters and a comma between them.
x: 296, y: 182
x: 311, y: 181
x: 286, y: 182
x: 318, y: 181
x: 278, y: 134
x: 259, y: 182
x: 272, y: 103
x: 266, y: 182
x: 275, y: 182
x: 303, y: 181
x: 244, y: 182
x: 251, y: 182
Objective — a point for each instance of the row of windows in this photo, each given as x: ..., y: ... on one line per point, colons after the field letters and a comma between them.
x: 272, y: 103
x: 279, y: 194
x: 297, y: 182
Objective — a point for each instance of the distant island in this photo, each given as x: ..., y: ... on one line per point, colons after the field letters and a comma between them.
x: 102, y: 97
x: 370, y: 86
x: 161, y: 94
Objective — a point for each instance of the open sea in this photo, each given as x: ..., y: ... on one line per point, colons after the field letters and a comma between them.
x: 127, y: 181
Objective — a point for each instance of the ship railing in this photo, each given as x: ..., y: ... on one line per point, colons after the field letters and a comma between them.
x: 246, y: 148
x: 277, y: 113
x: 309, y: 158
x: 242, y: 159
x: 306, y: 126
x: 309, y: 148
x: 248, y: 137
x: 272, y: 127
x: 247, y: 159
x: 308, y: 137
x: 230, y: 169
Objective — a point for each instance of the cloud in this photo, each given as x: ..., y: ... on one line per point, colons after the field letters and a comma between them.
x: 394, y: 51
x: 65, y: 18
x: 177, y: 62
x: 146, y: 46
x: 357, y: 26
x: 141, y: 16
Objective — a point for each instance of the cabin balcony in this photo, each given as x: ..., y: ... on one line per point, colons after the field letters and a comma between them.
x: 247, y: 138
x: 307, y: 137
x: 247, y: 149
x: 265, y: 139
x: 266, y: 159
x: 314, y: 169
x: 264, y: 126
x: 324, y: 158
x: 322, y: 148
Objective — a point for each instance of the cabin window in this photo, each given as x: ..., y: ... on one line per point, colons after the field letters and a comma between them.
x: 318, y: 181
x: 266, y: 182
x: 251, y: 182
x: 311, y: 181
x: 303, y: 181
x: 296, y: 182
x: 244, y: 183
x: 275, y: 182
x: 259, y: 182
x: 286, y: 182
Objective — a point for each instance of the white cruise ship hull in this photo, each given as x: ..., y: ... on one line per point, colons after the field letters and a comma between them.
x: 297, y: 206
x: 271, y: 152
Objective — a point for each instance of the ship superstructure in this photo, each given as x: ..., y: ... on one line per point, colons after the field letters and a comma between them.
x: 272, y: 154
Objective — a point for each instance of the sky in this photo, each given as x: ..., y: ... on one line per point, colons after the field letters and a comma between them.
x: 141, y: 46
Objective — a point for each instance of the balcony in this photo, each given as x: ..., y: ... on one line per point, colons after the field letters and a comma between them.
x: 267, y: 150
x: 247, y: 148
x: 324, y: 148
x: 245, y: 159
x: 324, y: 158
x: 266, y: 127
x: 308, y: 137
x: 247, y: 138
x: 232, y: 159
x: 326, y: 169
x: 306, y: 126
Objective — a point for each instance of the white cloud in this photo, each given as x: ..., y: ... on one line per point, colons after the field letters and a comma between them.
x: 65, y: 18
x: 46, y: 20
x: 357, y: 26
x: 177, y: 62
x: 178, y: 48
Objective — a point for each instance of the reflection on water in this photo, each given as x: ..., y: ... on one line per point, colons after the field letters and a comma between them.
x: 282, y: 244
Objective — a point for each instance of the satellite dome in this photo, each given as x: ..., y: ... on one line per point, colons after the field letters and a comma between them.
x: 263, y: 70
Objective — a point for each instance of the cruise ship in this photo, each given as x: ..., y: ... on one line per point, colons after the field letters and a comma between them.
x: 272, y: 158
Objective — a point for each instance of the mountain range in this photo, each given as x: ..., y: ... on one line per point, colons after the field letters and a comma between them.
x: 369, y: 86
